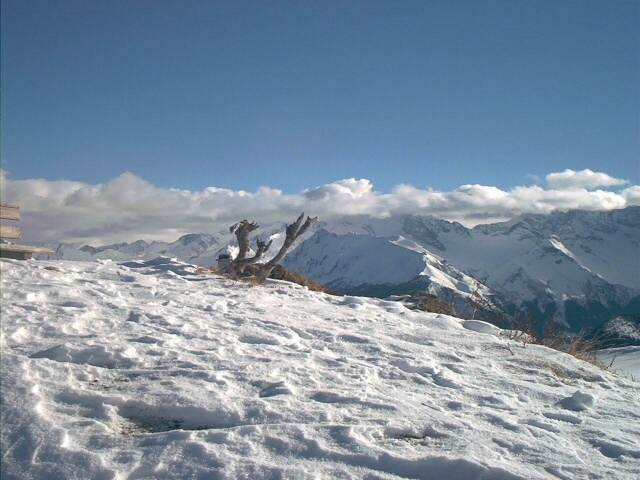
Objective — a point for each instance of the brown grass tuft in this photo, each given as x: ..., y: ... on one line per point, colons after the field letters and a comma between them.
x: 212, y: 269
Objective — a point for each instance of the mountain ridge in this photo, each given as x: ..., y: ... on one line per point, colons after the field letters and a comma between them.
x: 580, y: 267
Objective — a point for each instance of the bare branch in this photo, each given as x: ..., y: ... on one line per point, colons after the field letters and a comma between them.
x: 263, y: 247
x: 242, y: 229
x: 292, y: 233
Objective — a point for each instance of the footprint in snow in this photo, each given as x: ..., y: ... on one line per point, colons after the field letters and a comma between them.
x: 408, y: 434
x: 408, y: 368
x: 73, y: 304
x: 135, y: 317
x: 331, y: 397
x: 457, y: 406
x: 29, y: 308
x: 353, y: 339
x: 257, y: 340
x: 148, y: 418
x: 148, y: 340
x: 126, y: 278
x: 98, y: 356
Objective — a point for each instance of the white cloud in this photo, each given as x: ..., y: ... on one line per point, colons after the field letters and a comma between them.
x: 570, y: 179
x: 631, y: 195
x: 350, y: 187
x: 129, y: 208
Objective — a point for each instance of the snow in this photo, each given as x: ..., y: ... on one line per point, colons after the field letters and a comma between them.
x: 584, y: 260
x: 622, y: 328
x: 589, y: 260
x: 362, y: 259
x: 149, y: 370
x: 623, y: 360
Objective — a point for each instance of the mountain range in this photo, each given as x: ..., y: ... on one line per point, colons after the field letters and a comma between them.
x: 580, y: 268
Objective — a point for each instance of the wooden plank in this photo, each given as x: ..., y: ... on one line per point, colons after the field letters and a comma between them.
x: 7, y: 231
x: 15, y: 255
x: 9, y: 211
x: 9, y: 247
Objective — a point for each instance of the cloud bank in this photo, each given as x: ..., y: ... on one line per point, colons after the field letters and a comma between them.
x: 570, y: 179
x: 129, y: 208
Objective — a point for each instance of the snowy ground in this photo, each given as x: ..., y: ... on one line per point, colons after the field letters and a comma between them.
x: 624, y: 361
x: 150, y: 371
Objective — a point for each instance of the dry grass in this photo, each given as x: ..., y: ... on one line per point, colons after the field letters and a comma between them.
x: 208, y: 270
x: 579, y: 346
x: 427, y: 302
x: 586, y: 349
x: 251, y: 280
x: 525, y: 329
x: 278, y: 273
x: 281, y: 273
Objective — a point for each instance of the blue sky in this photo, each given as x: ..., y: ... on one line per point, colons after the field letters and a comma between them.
x: 293, y: 95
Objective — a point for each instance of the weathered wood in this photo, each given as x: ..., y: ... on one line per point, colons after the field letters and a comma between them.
x: 262, y: 271
x: 242, y: 229
x: 15, y: 255
x: 7, y: 231
x: 292, y: 233
x: 9, y: 247
x: 9, y: 211
x: 18, y: 252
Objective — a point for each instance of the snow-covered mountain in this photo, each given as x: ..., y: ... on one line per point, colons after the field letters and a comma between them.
x: 580, y: 267
x: 188, y: 248
x: 369, y: 265
x: 196, y: 248
x: 619, y: 331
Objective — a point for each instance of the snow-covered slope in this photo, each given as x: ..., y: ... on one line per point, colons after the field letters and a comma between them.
x: 147, y: 370
x: 365, y: 264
